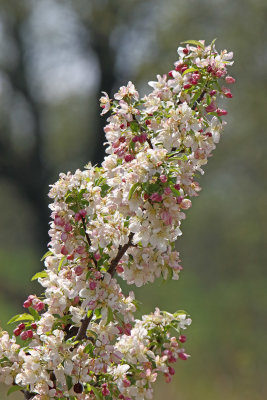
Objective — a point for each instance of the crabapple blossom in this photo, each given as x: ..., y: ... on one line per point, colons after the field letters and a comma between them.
x: 80, y: 340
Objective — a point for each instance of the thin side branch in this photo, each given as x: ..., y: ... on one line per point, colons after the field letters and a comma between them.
x: 121, y: 251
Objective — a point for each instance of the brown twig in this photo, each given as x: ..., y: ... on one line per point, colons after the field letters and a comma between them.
x: 121, y: 251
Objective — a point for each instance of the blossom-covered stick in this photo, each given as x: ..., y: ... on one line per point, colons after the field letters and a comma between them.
x: 80, y: 340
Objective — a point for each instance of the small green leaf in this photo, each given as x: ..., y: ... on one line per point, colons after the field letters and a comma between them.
x: 61, y: 262
x: 195, y: 43
x: 110, y: 317
x: 212, y: 43
x: 134, y: 126
x: 92, y: 333
x: 98, y: 313
x: 104, y: 190
x: 69, y: 382
x: 42, y: 274
x: 175, y: 192
x: 14, y: 389
x: 133, y: 189
x: 89, y: 349
x: 97, y: 394
x: 21, y: 317
x: 48, y: 253
x: 34, y: 313
x: 187, y: 71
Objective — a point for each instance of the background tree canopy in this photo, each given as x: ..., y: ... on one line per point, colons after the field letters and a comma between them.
x: 55, y: 58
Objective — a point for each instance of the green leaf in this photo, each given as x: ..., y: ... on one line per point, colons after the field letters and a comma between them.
x: 97, y: 394
x: 21, y: 317
x: 110, y: 317
x: 14, y: 389
x: 69, y: 381
x: 98, y: 313
x: 195, y: 97
x: 213, y: 42
x: 175, y: 192
x: 92, y: 333
x: 34, y: 313
x: 89, y: 313
x: 195, y: 43
x: 104, y: 190
x: 61, y: 263
x: 187, y: 71
x: 134, y: 126
x: 89, y: 349
x: 133, y: 189
x: 42, y: 274
x: 48, y: 253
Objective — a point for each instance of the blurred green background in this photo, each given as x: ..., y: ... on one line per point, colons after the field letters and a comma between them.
x: 55, y: 58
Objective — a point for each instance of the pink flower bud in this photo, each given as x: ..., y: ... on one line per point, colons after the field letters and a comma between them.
x: 78, y: 270
x: 92, y: 285
x: 135, y: 139
x: 64, y: 250
x: 105, y: 390
x: 183, y: 356
x: 80, y: 250
x: 163, y: 178
x: 126, y: 383
x: 220, y: 111
x: 167, y: 378
x: 64, y: 237
x: 29, y: 333
x: 17, y: 332
x: 187, y: 86
x: 182, y: 339
x: 27, y: 304
x: 148, y: 122
x: 143, y: 138
x: 77, y: 217
x: 177, y: 186
x: 24, y: 335
x: 170, y: 74
x: 171, y: 371
x: 119, y: 269
x: 39, y: 306
x: 34, y: 325
x: 68, y: 227
x: 76, y: 300
x: 128, y: 157
x: 156, y: 197
x: 167, y: 191
x: 97, y: 256
x: 127, y: 329
x: 92, y: 304
x: 213, y: 92
x: 21, y: 326
x: 83, y: 213
x: 186, y: 51
x: 229, y: 79
x: 59, y: 221
x: 211, y: 107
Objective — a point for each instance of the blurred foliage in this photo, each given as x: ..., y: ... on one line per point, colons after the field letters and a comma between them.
x: 55, y: 58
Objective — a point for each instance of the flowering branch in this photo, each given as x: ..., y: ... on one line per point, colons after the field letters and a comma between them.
x: 80, y: 341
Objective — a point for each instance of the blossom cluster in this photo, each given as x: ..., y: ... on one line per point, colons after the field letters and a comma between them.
x: 80, y: 341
